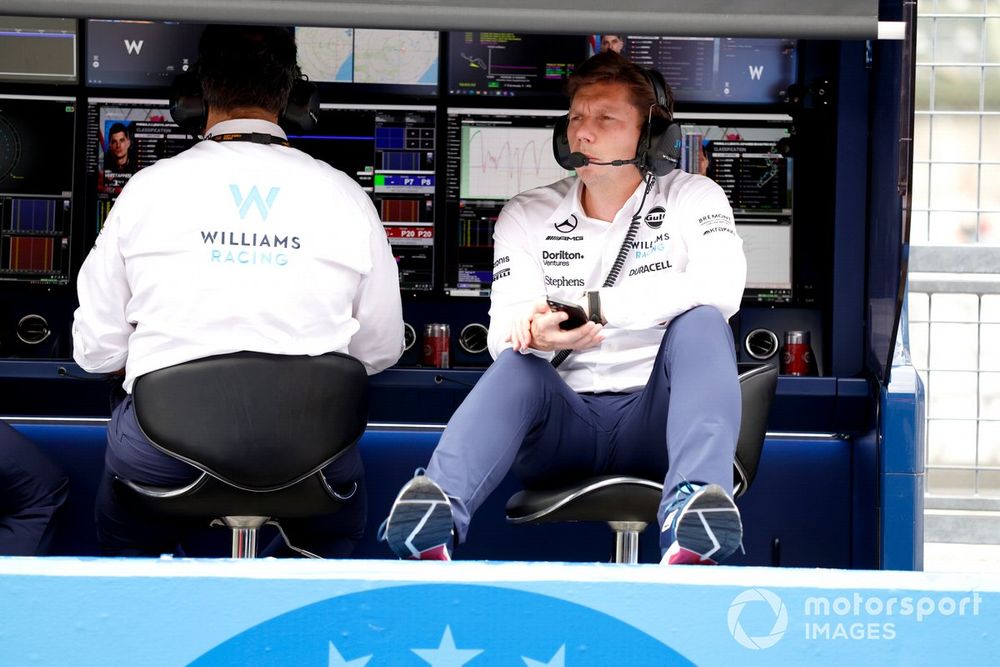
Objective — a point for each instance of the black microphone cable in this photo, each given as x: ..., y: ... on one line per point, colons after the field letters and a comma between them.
x: 619, y: 262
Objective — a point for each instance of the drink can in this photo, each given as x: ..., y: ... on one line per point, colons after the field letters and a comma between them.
x: 437, y: 345
x: 797, y: 356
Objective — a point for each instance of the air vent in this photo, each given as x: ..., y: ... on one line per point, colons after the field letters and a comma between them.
x: 33, y: 329
x: 761, y: 344
x: 472, y: 338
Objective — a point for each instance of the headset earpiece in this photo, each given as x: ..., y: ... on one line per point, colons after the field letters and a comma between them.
x: 659, y: 148
x: 187, y: 106
x: 560, y: 143
x: 302, y: 111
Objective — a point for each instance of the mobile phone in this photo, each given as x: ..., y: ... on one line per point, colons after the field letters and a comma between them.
x: 577, y: 316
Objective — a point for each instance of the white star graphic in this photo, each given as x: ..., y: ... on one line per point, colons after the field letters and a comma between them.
x: 558, y: 660
x: 337, y: 660
x: 446, y: 655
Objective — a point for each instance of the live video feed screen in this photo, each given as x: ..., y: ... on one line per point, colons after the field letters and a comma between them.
x: 391, y: 61
x: 743, y: 154
x: 715, y: 70
x: 36, y: 188
x: 139, y: 54
x: 493, y: 154
x: 38, y: 50
x: 124, y: 136
x: 509, y: 64
x: 390, y: 150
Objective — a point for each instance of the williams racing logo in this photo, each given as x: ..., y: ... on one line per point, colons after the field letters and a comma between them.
x: 567, y: 225
x: 654, y: 219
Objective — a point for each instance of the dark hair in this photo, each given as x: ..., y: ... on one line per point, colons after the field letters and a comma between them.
x: 116, y: 128
x: 247, y: 66
x: 612, y: 67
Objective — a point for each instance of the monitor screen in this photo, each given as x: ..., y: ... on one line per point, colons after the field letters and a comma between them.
x: 716, y: 70
x: 139, y: 54
x: 36, y: 188
x: 390, y: 150
x: 391, y: 61
x: 743, y: 154
x: 37, y: 50
x: 123, y: 136
x: 493, y: 154
x: 511, y: 64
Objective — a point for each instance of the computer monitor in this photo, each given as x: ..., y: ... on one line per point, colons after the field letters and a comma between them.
x: 746, y: 155
x: 390, y: 150
x: 124, y: 136
x: 718, y: 70
x: 139, y: 54
x: 508, y: 64
x: 36, y: 188
x: 493, y: 154
x: 38, y: 50
x: 368, y: 60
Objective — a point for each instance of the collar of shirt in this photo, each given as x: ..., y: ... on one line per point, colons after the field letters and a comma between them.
x: 573, y: 203
x: 245, y: 126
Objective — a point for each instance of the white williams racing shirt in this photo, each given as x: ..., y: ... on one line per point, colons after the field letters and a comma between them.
x: 686, y: 254
x: 234, y: 246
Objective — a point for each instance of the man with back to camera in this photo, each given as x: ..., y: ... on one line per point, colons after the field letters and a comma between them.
x: 652, y: 376
x: 119, y: 158
x: 239, y: 243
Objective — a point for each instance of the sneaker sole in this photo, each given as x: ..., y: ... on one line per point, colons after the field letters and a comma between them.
x: 420, y: 523
x: 709, y: 529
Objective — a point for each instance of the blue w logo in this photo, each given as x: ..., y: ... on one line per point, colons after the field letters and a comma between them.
x: 253, y: 198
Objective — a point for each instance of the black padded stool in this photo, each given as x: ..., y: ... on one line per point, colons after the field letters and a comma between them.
x: 629, y: 504
x: 260, y: 428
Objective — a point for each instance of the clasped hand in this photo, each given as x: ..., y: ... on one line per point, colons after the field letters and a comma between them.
x: 538, y: 328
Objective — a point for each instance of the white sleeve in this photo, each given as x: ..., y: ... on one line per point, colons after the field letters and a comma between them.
x: 715, y: 274
x: 100, y: 328
x: 378, y: 342
x: 518, y: 279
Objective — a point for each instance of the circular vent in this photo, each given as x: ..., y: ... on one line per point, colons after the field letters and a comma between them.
x: 761, y: 344
x: 409, y: 336
x: 472, y: 338
x: 33, y: 329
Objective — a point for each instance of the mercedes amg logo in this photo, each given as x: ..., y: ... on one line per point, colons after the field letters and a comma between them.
x: 567, y: 225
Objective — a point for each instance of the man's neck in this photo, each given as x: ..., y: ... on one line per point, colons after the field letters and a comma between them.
x: 248, y: 113
x: 603, y: 199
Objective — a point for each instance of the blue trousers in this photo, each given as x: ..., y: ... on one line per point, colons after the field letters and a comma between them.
x: 125, y: 529
x: 32, y: 488
x: 521, y: 415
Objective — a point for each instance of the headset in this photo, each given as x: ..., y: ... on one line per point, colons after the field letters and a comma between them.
x: 659, y: 147
x: 188, y: 109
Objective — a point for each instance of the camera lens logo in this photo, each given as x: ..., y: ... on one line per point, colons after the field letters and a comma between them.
x: 755, y: 597
x: 567, y: 225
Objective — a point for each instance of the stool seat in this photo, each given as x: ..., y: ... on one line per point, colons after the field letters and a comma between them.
x: 607, y: 498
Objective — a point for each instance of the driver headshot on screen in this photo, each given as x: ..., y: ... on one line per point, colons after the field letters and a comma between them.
x: 240, y: 243
x: 647, y: 385
x: 119, y: 157
x: 612, y: 43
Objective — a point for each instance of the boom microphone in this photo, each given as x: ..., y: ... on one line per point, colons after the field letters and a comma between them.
x: 576, y: 160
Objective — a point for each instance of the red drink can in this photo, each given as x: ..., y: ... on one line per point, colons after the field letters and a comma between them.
x: 437, y: 345
x: 797, y: 356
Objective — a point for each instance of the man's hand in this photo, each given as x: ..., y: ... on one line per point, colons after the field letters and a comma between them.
x: 539, y: 329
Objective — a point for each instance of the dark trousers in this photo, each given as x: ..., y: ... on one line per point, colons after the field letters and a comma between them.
x: 32, y: 488
x: 521, y: 415
x: 124, y: 528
